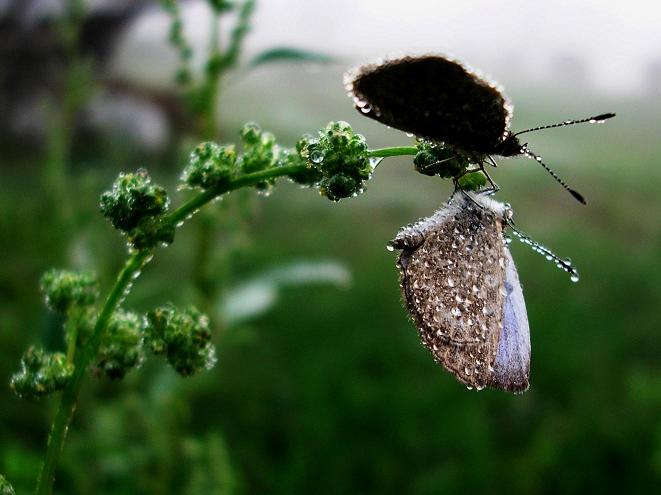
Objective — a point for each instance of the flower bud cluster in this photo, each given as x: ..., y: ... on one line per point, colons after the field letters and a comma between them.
x: 41, y: 373
x: 183, y: 336
x: 433, y: 159
x: 338, y: 160
x: 122, y: 345
x: 436, y: 159
x: 210, y: 165
x: 260, y: 152
x: 136, y: 206
x: 64, y: 289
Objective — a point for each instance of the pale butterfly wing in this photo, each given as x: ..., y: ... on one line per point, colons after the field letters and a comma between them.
x: 512, y: 366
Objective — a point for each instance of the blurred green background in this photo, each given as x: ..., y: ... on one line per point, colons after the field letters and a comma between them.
x: 322, y: 385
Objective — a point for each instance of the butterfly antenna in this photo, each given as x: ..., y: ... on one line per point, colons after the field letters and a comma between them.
x: 578, y: 196
x: 597, y: 119
x: 565, y: 264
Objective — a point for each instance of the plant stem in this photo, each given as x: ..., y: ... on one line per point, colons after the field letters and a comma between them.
x: 393, y: 151
x: 69, y: 399
x: 122, y: 286
x: 195, y: 203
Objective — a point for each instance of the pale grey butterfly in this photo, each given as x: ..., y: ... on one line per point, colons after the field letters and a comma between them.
x: 461, y: 287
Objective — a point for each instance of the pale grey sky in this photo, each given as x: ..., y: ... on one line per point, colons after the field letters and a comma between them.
x: 617, y: 40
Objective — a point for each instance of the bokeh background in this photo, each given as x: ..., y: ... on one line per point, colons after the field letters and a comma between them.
x: 322, y: 385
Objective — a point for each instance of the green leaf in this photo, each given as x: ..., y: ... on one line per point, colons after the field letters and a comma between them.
x: 285, y: 54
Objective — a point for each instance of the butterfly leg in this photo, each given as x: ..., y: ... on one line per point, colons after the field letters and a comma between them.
x: 494, y: 187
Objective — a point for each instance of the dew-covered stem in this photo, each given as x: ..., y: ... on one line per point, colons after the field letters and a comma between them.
x: 194, y: 204
x: 70, y: 394
x: 393, y: 151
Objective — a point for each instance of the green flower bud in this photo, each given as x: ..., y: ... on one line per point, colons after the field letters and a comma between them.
x: 250, y: 134
x: 340, y: 158
x: 433, y: 159
x: 132, y: 198
x: 41, y: 373
x: 260, y: 152
x: 150, y: 232
x: 64, y: 288
x: 5, y: 487
x: 259, y: 156
x: 121, y: 346
x: 210, y: 165
x: 183, y: 335
x: 473, y: 181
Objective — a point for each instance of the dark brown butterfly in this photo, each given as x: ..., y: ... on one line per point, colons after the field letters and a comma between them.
x: 441, y: 100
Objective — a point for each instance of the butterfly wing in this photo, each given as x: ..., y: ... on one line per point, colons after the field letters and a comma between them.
x: 512, y: 365
x: 433, y: 98
x: 452, y: 271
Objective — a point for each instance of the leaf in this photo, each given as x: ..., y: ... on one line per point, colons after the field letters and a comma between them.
x: 286, y: 54
x: 256, y: 296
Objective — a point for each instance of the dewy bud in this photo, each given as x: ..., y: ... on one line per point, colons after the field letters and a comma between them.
x: 121, y: 347
x: 260, y: 152
x: 210, y: 165
x: 133, y: 197
x: 64, y: 288
x: 432, y: 159
x: 250, y: 134
x: 41, y: 373
x: 183, y: 335
x: 340, y: 158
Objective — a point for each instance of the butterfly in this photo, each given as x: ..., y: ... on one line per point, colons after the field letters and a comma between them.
x: 462, y: 290
x: 441, y: 100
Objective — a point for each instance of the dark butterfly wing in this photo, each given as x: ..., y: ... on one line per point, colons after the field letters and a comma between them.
x: 433, y: 98
x: 452, y: 269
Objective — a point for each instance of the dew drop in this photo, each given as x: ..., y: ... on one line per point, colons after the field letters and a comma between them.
x: 390, y: 247
x: 574, y: 277
x: 317, y: 156
x: 375, y: 161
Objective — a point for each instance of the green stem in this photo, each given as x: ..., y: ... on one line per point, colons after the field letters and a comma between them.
x: 72, y: 332
x: 69, y: 399
x: 195, y: 203
x: 393, y: 151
